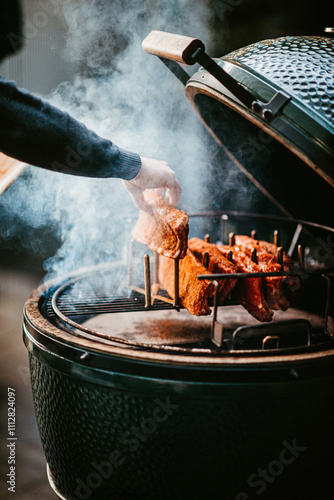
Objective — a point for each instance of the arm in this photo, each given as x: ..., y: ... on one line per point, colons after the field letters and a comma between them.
x: 37, y: 133
x: 33, y: 131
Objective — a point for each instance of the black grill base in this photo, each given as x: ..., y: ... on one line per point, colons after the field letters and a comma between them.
x: 204, y: 447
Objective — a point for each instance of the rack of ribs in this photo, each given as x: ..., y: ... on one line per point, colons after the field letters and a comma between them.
x: 277, y: 289
x: 292, y: 284
x: 217, y: 264
x: 250, y: 290
x: 165, y: 229
x: 193, y: 293
x: 263, y: 247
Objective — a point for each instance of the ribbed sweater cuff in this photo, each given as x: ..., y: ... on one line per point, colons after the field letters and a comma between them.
x: 130, y: 164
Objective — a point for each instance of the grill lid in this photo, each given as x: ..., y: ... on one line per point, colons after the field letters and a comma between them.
x: 303, y: 66
x: 292, y: 81
x: 285, y: 88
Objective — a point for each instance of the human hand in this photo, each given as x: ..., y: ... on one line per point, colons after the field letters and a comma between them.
x: 153, y: 174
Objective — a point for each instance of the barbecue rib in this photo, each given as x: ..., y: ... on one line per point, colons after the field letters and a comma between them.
x: 217, y: 264
x: 165, y: 230
x: 250, y: 291
x: 270, y: 248
x: 193, y: 293
x: 273, y: 285
x: 292, y: 284
x: 276, y: 287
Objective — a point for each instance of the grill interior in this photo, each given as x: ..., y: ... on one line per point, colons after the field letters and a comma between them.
x: 100, y: 305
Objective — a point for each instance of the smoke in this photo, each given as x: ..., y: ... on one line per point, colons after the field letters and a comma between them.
x: 99, y: 31
x: 124, y: 95
x: 131, y: 98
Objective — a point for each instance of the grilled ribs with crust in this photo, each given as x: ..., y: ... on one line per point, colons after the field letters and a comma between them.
x: 292, y: 284
x: 193, y: 293
x: 277, y: 289
x: 250, y: 290
x: 164, y: 230
x: 217, y: 264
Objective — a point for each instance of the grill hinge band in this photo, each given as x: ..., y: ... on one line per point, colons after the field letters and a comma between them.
x: 266, y: 110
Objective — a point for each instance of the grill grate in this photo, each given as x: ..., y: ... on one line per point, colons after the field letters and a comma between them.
x: 103, y: 304
x: 99, y: 290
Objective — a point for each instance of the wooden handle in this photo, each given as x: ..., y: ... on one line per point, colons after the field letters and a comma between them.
x: 177, y: 48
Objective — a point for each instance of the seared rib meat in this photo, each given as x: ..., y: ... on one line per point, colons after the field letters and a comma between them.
x: 273, y: 285
x: 164, y: 230
x: 194, y: 293
x: 292, y: 284
x: 250, y: 291
x: 265, y: 246
x: 217, y: 264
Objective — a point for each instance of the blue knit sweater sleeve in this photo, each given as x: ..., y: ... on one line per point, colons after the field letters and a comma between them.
x: 38, y: 133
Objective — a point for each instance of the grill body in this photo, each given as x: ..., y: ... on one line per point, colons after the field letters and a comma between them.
x: 105, y: 442
x: 125, y: 423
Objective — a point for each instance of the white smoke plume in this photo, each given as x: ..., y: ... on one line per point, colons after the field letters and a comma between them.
x: 131, y: 98
x: 127, y: 96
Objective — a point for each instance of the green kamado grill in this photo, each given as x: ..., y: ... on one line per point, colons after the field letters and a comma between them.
x: 136, y: 399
